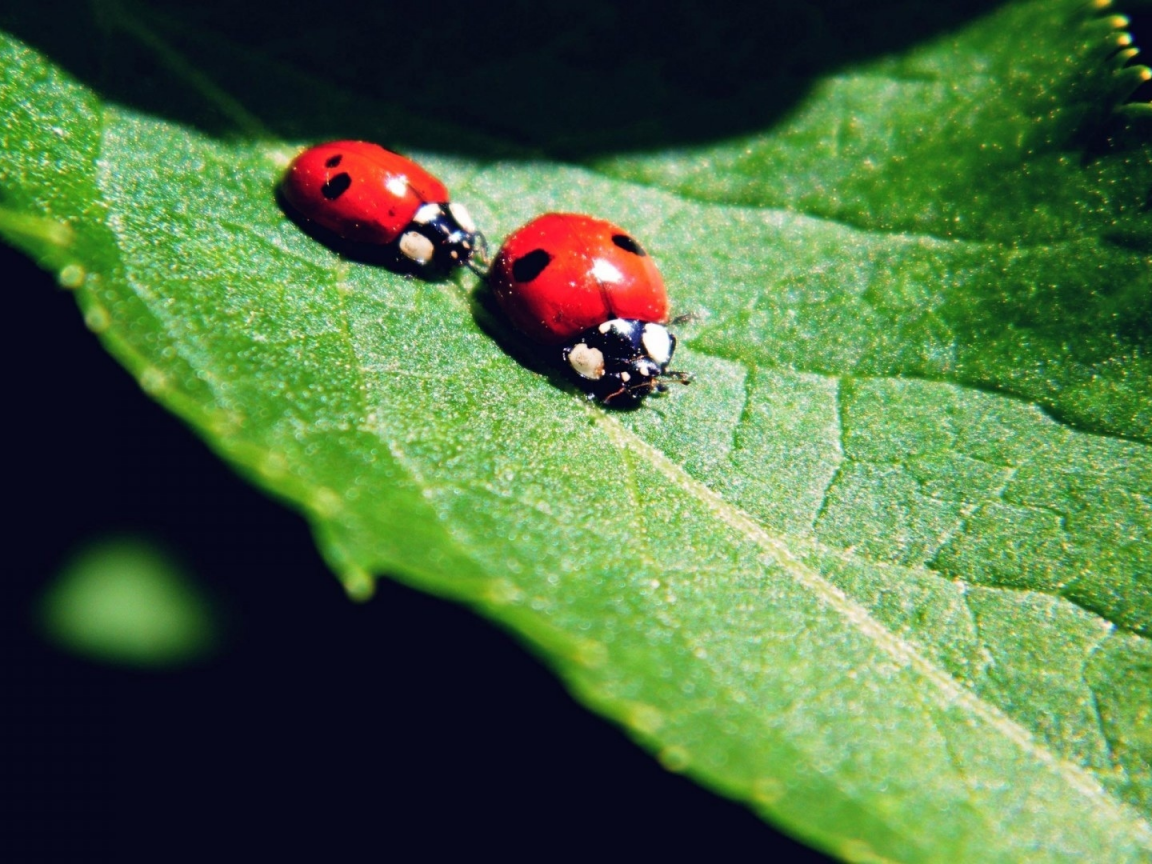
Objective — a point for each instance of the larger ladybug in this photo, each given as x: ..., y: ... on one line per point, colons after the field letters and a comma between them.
x: 369, y: 196
x: 587, y: 287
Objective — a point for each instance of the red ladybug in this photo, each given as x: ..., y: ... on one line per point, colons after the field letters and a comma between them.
x: 586, y: 285
x: 367, y: 195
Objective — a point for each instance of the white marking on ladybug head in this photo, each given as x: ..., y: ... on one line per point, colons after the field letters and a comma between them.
x: 417, y: 247
x: 621, y: 325
x: 427, y: 213
x: 657, y: 342
x: 587, y: 362
x: 463, y: 217
x: 606, y: 271
x: 397, y: 185
x: 646, y: 367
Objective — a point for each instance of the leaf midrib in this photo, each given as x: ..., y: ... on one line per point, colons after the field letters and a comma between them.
x: 950, y: 692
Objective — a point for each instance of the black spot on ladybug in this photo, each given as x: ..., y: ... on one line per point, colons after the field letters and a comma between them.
x: 528, y: 267
x: 333, y: 161
x: 337, y: 186
x: 628, y: 244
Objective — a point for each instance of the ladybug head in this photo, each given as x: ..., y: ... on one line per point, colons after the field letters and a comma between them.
x: 622, y: 360
x: 441, y: 237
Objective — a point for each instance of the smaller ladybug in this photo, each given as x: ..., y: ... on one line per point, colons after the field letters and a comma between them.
x: 371, y: 197
x: 586, y: 286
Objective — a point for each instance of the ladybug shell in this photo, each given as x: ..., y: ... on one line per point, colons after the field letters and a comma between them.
x: 562, y: 274
x: 359, y: 190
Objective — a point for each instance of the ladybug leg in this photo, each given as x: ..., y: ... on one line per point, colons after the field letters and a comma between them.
x: 658, y: 385
x: 622, y: 390
x: 479, y: 263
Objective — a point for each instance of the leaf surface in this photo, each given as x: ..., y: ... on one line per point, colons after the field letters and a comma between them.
x: 882, y: 572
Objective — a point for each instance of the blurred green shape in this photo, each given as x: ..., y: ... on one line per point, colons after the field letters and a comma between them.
x: 127, y: 601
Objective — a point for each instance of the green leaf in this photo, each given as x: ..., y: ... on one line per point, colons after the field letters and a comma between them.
x: 979, y: 170
x: 882, y: 572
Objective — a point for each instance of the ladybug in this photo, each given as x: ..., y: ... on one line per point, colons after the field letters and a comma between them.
x: 586, y: 286
x: 371, y: 197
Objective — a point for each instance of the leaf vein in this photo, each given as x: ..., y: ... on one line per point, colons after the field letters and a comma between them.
x: 841, y: 455
x: 950, y: 692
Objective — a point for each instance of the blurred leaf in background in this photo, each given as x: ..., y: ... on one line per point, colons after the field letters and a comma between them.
x: 126, y: 600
